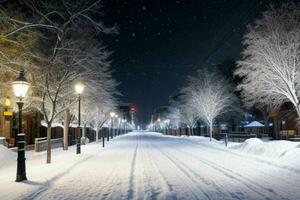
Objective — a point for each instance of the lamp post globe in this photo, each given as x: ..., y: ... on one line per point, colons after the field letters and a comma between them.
x: 79, y: 87
x: 20, y: 88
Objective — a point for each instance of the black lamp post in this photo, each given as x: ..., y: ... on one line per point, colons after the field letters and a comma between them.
x: 79, y: 87
x: 20, y: 87
x: 112, y: 115
x: 103, y: 139
x: 115, y: 132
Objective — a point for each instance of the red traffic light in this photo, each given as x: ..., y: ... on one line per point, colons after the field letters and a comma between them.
x: 132, y: 109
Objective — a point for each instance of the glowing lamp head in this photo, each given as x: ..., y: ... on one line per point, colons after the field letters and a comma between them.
x: 116, y: 116
x: 112, y: 114
x: 79, y: 87
x: 158, y: 120
x: 20, y: 86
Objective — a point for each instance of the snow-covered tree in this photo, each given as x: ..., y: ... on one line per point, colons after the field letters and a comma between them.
x: 62, y: 52
x: 188, y: 116
x: 209, y: 95
x: 174, y: 116
x: 183, y: 112
x: 271, y: 59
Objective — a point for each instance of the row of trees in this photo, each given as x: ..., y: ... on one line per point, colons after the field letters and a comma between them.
x: 58, y: 43
x: 269, y: 72
x: 205, y: 97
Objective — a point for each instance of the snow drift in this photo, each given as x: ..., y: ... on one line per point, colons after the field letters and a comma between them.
x: 285, y: 150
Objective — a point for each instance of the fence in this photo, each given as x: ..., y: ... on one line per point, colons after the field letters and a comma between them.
x: 40, y: 144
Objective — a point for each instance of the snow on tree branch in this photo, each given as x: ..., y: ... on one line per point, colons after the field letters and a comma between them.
x: 270, y: 64
x: 208, y: 96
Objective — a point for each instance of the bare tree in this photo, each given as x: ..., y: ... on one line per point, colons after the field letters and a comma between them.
x: 209, y: 96
x: 62, y: 54
x: 174, y: 116
x: 271, y: 61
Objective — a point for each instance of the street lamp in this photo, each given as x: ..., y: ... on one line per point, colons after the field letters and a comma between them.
x: 124, y: 125
x: 112, y: 114
x: 158, y: 121
x: 119, y: 125
x: 20, y: 87
x: 79, y: 87
x: 115, y: 132
x: 167, y: 121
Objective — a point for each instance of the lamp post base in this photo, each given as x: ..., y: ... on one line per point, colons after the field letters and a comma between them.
x: 21, y: 166
x: 78, y: 149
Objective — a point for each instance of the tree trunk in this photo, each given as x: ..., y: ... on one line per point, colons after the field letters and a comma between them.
x: 210, y: 131
x: 83, y: 131
x: 49, y: 143
x: 266, y: 120
x: 66, y: 128
x: 276, y: 125
x: 97, y: 130
x: 192, y: 130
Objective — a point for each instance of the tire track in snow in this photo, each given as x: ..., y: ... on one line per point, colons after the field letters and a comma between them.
x: 114, y: 180
x: 258, y: 160
x: 192, y: 173
x: 167, y: 187
x: 187, y: 177
x: 254, y: 186
x: 131, y: 185
x: 105, y: 185
x: 238, y: 174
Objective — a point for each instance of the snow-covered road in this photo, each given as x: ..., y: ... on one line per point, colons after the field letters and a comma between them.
x: 143, y: 165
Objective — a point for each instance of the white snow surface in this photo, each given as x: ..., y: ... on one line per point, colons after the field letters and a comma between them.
x: 144, y: 165
x: 7, y: 158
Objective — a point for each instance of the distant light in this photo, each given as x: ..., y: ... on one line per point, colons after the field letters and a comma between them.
x: 283, y: 122
x: 132, y: 109
x: 7, y: 103
x: 270, y: 124
x: 112, y: 114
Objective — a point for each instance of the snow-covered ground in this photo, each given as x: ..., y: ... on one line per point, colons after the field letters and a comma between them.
x: 143, y: 165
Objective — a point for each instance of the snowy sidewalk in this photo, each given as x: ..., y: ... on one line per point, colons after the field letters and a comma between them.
x: 152, y: 166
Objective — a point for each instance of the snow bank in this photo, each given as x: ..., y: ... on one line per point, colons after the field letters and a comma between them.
x: 285, y: 150
x: 7, y: 157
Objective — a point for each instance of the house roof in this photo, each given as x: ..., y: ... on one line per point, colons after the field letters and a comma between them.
x: 254, y: 124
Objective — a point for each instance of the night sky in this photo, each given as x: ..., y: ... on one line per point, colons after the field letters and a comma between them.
x: 161, y: 42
